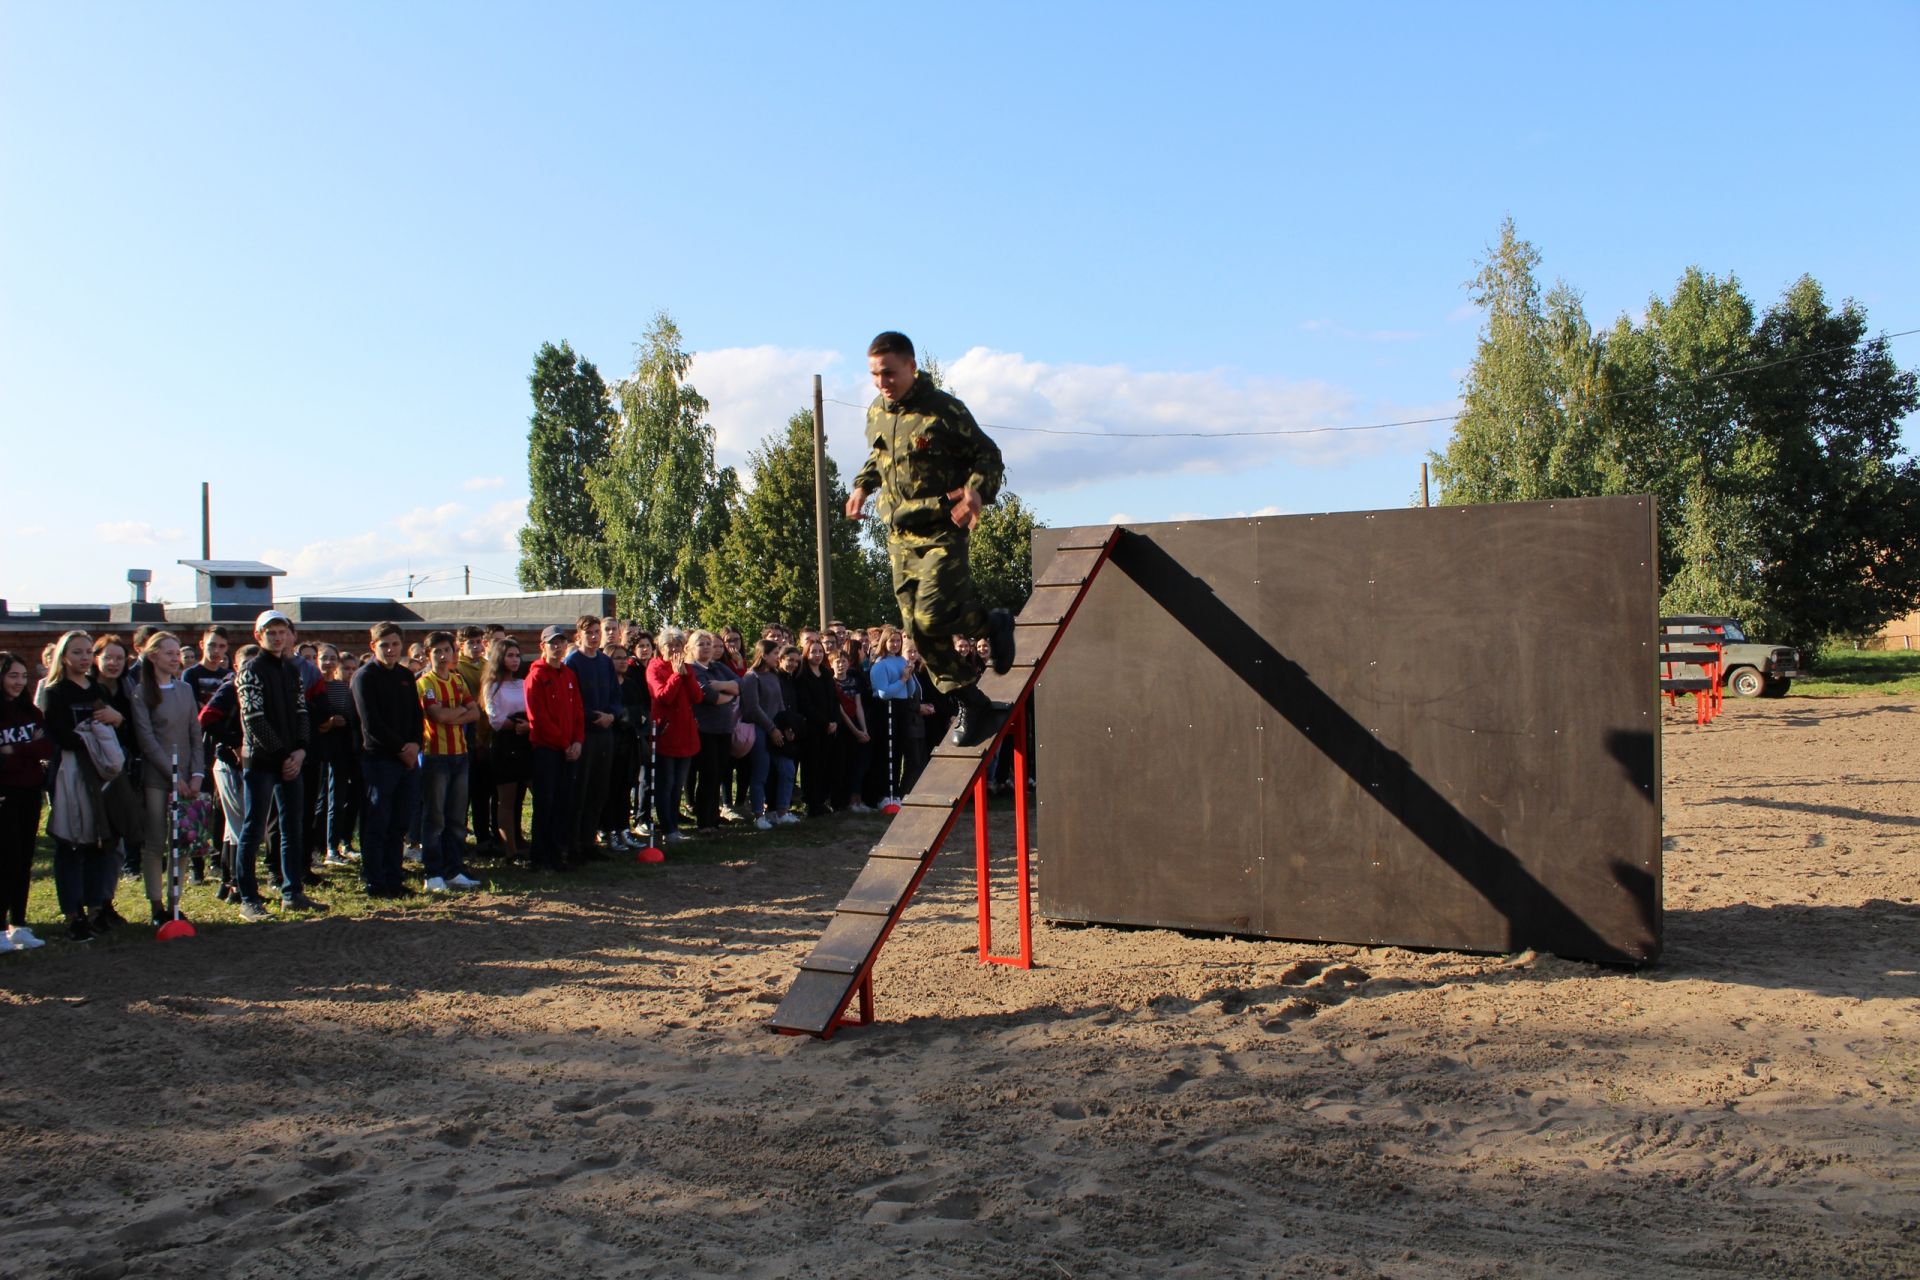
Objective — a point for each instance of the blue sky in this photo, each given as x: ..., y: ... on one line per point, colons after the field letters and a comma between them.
x: 307, y: 253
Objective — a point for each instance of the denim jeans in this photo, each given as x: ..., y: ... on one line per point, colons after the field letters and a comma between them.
x: 392, y: 791
x: 780, y: 783
x: 669, y: 780
x: 444, y: 828
x: 592, y: 773
x: 757, y: 762
x: 232, y: 789
x: 552, y: 807
x: 83, y: 876
x: 288, y: 863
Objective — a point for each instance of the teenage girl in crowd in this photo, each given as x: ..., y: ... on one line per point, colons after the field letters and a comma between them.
x: 166, y: 724
x: 850, y: 768
x: 676, y: 741
x: 819, y: 703
x: 636, y: 704
x: 775, y: 737
x: 715, y: 715
x: 503, y: 692
x: 25, y: 749
x: 83, y: 869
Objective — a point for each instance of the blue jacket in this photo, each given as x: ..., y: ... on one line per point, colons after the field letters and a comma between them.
x: 891, y: 679
x: 599, y: 685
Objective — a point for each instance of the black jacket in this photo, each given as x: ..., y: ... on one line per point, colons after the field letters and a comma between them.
x: 273, y: 712
x: 388, y: 701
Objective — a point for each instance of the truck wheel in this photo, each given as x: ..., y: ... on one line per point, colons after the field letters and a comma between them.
x: 1776, y: 687
x: 1745, y: 682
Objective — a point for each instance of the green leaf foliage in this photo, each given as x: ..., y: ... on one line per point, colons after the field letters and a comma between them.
x: 662, y: 502
x: 1773, y: 444
x: 567, y: 438
x: 765, y: 569
x: 1001, y: 552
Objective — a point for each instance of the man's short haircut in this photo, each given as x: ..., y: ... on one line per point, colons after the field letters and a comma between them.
x: 142, y: 634
x: 891, y: 343
x: 496, y: 628
x: 473, y: 632
x: 381, y: 630
x: 215, y: 630
x: 584, y: 621
x: 439, y: 638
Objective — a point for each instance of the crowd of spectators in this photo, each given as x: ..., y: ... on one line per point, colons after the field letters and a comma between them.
x: 174, y: 763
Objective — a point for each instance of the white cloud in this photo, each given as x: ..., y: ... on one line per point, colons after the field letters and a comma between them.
x: 752, y: 391
x: 475, y: 484
x: 31, y: 531
x: 135, y: 533
x: 428, y: 541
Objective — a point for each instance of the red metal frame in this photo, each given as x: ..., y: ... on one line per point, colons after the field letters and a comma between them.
x: 1016, y: 735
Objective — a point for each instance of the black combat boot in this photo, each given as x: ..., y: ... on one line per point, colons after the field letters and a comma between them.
x: 1001, y: 634
x: 975, y: 718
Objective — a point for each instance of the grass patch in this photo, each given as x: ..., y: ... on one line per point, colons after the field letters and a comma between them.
x: 343, y: 895
x: 1845, y: 671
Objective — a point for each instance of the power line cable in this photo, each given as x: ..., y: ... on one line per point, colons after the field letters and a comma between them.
x: 1406, y: 422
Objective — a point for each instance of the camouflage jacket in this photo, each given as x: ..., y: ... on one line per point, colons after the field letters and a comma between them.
x: 924, y: 447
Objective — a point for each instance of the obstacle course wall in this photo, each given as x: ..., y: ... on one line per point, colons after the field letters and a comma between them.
x: 1429, y: 727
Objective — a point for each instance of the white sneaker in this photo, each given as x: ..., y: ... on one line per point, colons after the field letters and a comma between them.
x: 436, y: 885
x: 857, y: 807
x: 761, y: 824
x: 674, y: 837
x: 334, y: 860
x: 463, y: 881
x: 788, y: 819
x: 349, y: 853
x: 23, y: 939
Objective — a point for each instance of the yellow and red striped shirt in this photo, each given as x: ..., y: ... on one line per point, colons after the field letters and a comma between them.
x: 443, y: 691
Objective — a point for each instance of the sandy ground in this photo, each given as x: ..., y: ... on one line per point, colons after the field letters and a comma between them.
x: 555, y: 1087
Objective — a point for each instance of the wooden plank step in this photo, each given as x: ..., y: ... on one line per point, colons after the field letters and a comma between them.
x: 1689, y: 657
x: 811, y: 1002
x: 942, y: 783
x: 1692, y: 637
x: 1085, y: 537
x: 1686, y: 684
x: 881, y: 886
x: 1007, y: 689
x: 846, y: 944
x: 1048, y: 604
x: 912, y: 834
x: 1069, y: 568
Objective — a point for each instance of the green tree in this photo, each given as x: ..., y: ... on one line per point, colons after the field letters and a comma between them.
x: 1835, y: 515
x: 765, y: 568
x: 567, y: 438
x: 1535, y: 396
x: 1001, y: 552
x: 661, y: 501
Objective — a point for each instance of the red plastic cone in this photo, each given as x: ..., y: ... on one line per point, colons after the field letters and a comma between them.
x: 651, y: 854
x: 175, y: 929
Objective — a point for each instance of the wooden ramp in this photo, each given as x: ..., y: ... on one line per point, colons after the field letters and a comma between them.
x: 841, y: 965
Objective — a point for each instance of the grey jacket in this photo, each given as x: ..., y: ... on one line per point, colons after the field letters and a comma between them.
x: 170, y: 729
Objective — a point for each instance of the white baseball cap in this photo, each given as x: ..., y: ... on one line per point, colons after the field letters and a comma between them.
x: 272, y: 615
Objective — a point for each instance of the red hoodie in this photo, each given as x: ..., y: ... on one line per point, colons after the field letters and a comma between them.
x: 556, y: 718
x: 673, y: 699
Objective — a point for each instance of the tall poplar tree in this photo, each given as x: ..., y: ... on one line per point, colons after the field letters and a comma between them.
x: 567, y: 438
x: 662, y: 503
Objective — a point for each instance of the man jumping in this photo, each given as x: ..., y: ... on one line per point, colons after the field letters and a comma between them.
x: 934, y: 470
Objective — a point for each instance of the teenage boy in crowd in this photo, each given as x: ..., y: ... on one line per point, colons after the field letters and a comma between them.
x: 205, y: 678
x: 481, y: 793
x: 274, y: 738
x: 934, y: 470
x: 556, y: 729
x: 448, y: 707
x: 391, y: 734
x: 600, y: 696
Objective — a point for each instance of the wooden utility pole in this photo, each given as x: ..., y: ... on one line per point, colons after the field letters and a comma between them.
x: 820, y: 503
x: 206, y: 521
x: 1423, y: 485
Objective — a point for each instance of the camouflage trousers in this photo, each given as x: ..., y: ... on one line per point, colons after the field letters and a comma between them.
x: 937, y: 601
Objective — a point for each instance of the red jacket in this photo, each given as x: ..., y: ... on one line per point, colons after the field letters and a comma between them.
x: 673, y: 699
x: 556, y: 718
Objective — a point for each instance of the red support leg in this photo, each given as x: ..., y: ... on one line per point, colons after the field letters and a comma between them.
x: 1023, y: 872
x: 980, y: 865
